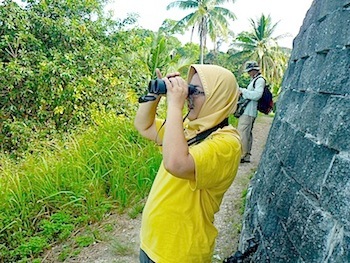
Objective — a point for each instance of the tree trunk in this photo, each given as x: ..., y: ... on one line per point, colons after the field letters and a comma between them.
x: 201, y: 58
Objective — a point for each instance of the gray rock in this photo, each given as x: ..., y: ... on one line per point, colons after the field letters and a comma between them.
x: 298, y: 205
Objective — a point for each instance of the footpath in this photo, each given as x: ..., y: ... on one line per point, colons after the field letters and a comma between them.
x: 229, y: 219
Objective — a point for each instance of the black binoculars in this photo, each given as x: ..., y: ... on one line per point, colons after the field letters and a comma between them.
x: 158, y: 86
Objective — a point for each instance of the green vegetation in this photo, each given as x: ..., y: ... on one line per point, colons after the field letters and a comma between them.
x: 260, y: 44
x: 70, y: 77
x: 45, y: 197
x: 121, y: 249
x: 57, y: 65
x: 208, y: 16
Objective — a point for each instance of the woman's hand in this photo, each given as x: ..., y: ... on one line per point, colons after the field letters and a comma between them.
x: 177, y: 90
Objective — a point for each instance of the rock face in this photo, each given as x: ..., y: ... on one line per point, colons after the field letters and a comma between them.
x: 298, y: 206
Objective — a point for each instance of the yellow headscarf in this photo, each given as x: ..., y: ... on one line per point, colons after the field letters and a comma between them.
x: 221, y: 93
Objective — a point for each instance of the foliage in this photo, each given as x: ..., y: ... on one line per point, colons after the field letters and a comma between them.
x: 207, y: 16
x: 162, y: 53
x: 260, y: 45
x: 183, y: 57
x: 169, y: 28
x: 49, y: 194
x: 232, y: 63
x: 57, y: 64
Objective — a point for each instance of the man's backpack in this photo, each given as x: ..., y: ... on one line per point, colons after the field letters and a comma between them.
x: 265, y: 103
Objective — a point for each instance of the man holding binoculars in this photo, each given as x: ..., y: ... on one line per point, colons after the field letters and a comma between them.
x: 201, y: 154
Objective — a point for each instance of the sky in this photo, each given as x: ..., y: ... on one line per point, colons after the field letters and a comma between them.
x: 288, y: 13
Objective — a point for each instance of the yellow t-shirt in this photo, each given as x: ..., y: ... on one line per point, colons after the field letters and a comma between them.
x: 178, y: 219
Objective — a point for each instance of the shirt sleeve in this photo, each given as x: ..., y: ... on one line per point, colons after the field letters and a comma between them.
x: 215, y: 161
x: 252, y: 93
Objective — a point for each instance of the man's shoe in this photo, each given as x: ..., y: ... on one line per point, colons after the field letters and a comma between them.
x: 246, y: 158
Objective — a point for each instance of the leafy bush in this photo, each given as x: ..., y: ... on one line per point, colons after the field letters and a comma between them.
x: 57, y: 65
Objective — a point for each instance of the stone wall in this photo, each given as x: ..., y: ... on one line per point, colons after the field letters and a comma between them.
x: 298, y: 206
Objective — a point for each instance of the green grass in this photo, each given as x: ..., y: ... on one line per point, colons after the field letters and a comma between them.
x: 62, y: 186
x: 121, y: 248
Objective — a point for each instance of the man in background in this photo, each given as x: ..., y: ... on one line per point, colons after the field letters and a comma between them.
x: 253, y: 93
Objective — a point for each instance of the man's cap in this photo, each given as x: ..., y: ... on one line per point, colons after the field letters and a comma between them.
x: 251, y: 65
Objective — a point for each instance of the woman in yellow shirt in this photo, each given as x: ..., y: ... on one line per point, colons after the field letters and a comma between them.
x: 178, y: 219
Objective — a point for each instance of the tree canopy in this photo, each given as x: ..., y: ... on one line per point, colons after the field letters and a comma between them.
x: 260, y: 44
x: 208, y: 16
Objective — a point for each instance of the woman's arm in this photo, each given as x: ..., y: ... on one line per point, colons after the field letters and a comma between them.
x: 176, y: 157
x: 145, y: 119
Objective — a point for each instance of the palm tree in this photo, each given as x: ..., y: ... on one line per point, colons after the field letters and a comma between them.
x: 259, y: 44
x: 208, y: 16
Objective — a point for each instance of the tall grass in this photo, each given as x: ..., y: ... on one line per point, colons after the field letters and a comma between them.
x: 107, y: 167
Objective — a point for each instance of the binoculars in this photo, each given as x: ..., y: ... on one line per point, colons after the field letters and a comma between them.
x: 158, y: 86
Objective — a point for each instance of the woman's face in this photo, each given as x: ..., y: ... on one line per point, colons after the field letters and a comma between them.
x: 195, y: 101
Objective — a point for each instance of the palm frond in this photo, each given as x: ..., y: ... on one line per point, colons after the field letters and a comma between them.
x: 184, y: 5
x: 207, y: 16
x: 259, y: 44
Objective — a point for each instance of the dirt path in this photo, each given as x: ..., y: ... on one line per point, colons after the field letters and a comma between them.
x: 228, y: 219
x: 118, y: 236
